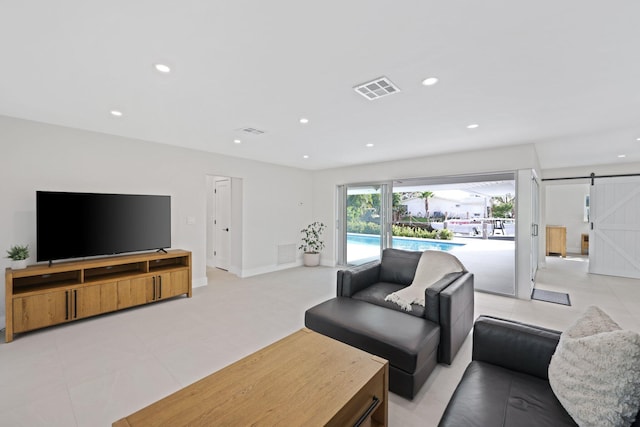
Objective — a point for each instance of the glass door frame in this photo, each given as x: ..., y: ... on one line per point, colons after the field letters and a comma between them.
x: 385, y: 189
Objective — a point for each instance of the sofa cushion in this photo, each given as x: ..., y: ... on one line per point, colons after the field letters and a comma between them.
x: 376, y: 294
x: 407, y: 342
x: 489, y: 395
x: 595, y: 371
x: 398, y: 266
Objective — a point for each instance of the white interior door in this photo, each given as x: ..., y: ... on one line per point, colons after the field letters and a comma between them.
x: 614, y: 238
x: 222, y: 223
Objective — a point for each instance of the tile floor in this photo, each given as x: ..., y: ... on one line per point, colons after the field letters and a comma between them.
x: 93, y: 372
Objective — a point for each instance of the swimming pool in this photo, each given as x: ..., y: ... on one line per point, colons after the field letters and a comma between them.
x: 407, y: 243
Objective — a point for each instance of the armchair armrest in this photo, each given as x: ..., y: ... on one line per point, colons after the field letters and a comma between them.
x: 357, y: 278
x: 455, y: 316
x: 513, y: 345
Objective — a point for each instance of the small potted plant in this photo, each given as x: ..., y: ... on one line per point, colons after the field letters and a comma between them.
x: 19, y: 255
x: 311, y: 243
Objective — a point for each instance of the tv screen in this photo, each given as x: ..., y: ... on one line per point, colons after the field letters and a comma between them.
x: 76, y: 225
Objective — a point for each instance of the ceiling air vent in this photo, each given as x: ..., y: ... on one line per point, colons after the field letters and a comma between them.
x: 377, y: 88
x: 252, y: 131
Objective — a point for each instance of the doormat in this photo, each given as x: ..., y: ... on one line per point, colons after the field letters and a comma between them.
x: 551, y: 296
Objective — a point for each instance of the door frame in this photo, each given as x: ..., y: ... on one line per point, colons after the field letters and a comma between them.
x: 236, y: 225
x: 385, y: 188
x: 222, y: 208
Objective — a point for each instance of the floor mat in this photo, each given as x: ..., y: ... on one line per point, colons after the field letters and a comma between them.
x: 551, y: 296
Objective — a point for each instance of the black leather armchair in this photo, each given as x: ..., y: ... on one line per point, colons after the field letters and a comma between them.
x: 413, y: 341
x: 506, y: 383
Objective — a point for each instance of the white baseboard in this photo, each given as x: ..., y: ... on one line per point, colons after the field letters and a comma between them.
x: 269, y: 269
x: 197, y: 283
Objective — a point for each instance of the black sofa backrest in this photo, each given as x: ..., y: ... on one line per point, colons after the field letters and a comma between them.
x: 514, y: 345
x: 398, y: 266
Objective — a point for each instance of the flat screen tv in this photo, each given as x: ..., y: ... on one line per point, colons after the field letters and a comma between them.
x: 78, y: 225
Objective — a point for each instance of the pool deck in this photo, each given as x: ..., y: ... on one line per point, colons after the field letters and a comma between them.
x: 492, y: 261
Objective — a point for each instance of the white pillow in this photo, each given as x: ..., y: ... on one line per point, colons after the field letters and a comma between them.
x: 595, y: 371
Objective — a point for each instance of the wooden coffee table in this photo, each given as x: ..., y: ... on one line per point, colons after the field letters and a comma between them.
x: 303, y: 379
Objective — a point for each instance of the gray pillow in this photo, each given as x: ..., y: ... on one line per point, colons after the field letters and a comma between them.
x: 595, y: 371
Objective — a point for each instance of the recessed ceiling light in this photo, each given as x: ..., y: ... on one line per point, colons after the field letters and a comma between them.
x: 637, y: 139
x: 473, y: 126
x: 622, y: 156
x: 430, y: 81
x: 116, y: 113
x: 163, y: 68
x: 305, y: 157
x: 304, y: 120
x: 236, y: 141
x: 369, y: 145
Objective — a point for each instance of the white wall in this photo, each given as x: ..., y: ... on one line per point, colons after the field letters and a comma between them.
x: 463, y: 163
x: 275, y: 201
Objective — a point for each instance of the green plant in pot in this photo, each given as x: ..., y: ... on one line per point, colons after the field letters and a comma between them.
x: 18, y: 255
x: 311, y: 243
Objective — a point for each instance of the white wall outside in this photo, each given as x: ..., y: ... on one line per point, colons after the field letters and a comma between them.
x: 455, y: 209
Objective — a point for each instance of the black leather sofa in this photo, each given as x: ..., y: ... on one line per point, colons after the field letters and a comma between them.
x: 506, y: 383
x: 412, y: 341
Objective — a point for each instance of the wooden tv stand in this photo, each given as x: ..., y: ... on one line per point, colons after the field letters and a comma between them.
x: 40, y: 295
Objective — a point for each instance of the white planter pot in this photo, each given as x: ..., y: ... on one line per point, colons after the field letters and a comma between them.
x: 311, y: 260
x: 17, y: 265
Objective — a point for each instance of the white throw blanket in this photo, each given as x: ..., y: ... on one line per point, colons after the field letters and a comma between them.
x: 432, y: 266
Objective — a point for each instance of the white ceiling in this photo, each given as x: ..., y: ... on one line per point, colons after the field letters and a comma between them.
x: 562, y: 74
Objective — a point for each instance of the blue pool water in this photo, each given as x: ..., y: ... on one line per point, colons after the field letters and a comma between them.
x: 402, y: 243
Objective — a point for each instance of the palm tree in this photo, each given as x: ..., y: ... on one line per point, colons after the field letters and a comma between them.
x: 503, y: 206
x: 426, y: 195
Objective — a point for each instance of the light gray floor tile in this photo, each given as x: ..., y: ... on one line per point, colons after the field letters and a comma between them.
x: 95, y: 371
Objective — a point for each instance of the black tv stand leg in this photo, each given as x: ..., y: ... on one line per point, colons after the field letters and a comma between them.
x: 161, y: 250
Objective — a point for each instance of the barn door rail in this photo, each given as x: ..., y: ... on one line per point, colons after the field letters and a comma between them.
x: 592, y: 177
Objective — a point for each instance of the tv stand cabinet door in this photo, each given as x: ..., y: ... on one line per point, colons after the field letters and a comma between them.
x: 42, y: 310
x: 96, y: 299
x: 134, y: 292
x: 174, y: 283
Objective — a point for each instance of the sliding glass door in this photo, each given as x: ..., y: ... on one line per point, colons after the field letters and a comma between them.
x: 365, y: 215
x: 471, y: 216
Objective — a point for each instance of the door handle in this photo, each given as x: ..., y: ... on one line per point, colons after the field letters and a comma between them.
x: 154, y: 288
x: 366, y: 414
x: 160, y: 287
x: 226, y: 229
x: 66, y: 305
